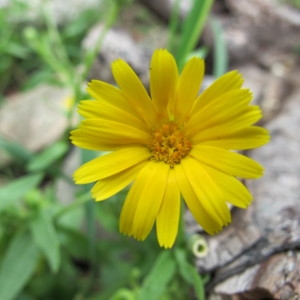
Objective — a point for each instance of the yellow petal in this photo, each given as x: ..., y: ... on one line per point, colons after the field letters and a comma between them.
x: 244, y: 139
x: 226, y: 161
x: 169, y: 213
x: 109, y: 186
x: 227, y: 82
x: 219, y: 110
x: 250, y: 116
x: 206, y: 190
x: 104, y: 92
x: 91, y: 109
x: 90, y: 141
x: 108, y: 133
x: 210, y: 223
x: 188, y: 87
x: 110, y: 164
x: 134, y: 91
x: 234, y: 191
x: 163, y: 81
x: 144, y: 200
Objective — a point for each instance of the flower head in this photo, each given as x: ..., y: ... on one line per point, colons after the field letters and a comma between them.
x: 173, y: 143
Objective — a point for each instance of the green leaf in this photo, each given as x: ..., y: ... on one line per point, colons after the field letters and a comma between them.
x: 17, y: 50
x: 190, y: 274
x: 200, y: 52
x: 192, y: 29
x: 46, y: 238
x: 220, y: 65
x: 173, y: 25
x: 198, y: 283
x: 183, y: 265
x: 16, y: 150
x: 17, y: 188
x: 157, y: 280
x: 39, y: 76
x: 47, y: 157
x: 74, y: 241
x: 123, y: 294
x: 18, y: 265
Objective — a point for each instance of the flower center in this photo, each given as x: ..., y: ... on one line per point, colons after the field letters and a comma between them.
x: 169, y: 144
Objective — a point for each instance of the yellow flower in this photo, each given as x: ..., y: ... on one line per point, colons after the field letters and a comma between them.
x: 173, y: 143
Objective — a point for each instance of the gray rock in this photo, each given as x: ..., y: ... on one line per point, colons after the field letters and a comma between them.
x: 35, y: 119
x: 279, y: 275
x: 252, y: 27
x: 278, y: 191
x: 164, y: 7
x: 270, y: 89
x: 117, y: 43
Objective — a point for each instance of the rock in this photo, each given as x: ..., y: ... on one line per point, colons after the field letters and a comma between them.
x: 282, y: 167
x: 270, y: 89
x: 267, y: 12
x: 279, y: 275
x: 117, y: 43
x: 253, y: 294
x: 252, y: 27
x: 134, y: 44
x: 164, y: 7
x: 35, y: 119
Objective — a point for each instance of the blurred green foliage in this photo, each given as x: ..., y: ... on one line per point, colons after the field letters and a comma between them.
x: 51, y: 248
x: 20, y: 66
x: 295, y: 3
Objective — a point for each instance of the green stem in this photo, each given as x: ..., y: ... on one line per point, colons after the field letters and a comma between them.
x: 192, y: 29
x: 90, y: 57
x: 57, y: 55
x: 78, y: 203
x: 90, y: 219
x: 220, y: 60
x: 55, y: 36
x: 181, y: 237
x: 91, y: 230
x: 173, y: 26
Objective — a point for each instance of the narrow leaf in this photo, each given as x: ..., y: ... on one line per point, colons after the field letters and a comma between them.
x: 158, y: 278
x: 198, y: 283
x: 18, y: 265
x: 220, y: 51
x: 17, y: 188
x: 46, y: 158
x: 15, y: 150
x: 46, y: 238
x: 192, y: 29
x: 190, y: 274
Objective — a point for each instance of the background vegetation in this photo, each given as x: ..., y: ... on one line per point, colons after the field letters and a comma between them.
x: 53, y: 250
